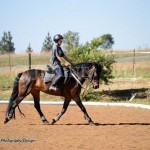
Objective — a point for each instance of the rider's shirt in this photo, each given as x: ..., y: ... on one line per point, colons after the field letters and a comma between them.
x: 56, y: 51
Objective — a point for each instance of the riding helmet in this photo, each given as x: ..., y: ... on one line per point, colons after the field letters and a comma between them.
x: 57, y: 37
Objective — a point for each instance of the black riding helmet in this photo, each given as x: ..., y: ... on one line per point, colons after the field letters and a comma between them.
x: 57, y: 37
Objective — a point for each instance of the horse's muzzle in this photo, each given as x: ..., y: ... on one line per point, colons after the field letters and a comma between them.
x: 95, y: 85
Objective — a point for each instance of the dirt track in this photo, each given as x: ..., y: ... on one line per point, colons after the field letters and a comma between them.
x: 118, y: 128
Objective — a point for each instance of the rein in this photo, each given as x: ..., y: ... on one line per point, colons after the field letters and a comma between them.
x: 76, y: 76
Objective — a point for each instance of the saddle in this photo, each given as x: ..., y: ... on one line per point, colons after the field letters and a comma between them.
x: 50, y: 75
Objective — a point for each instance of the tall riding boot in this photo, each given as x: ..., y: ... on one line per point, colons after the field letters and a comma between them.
x: 53, y: 87
x: 55, y: 83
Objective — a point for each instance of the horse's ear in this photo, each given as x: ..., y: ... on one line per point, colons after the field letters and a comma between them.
x: 99, y: 65
x: 94, y: 63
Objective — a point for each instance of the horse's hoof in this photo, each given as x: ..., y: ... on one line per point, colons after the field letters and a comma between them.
x: 53, y: 121
x: 45, y: 122
x: 6, y: 120
x: 92, y: 123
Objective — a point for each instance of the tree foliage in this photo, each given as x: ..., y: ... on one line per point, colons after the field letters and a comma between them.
x: 47, y: 44
x: 81, y: 54
x: 1, y: 47
x: 103, y: 42
x: 107, y: 41
x: 6, y: 44
x: 29, y: 49
x: 89, y: 52
x: 71, y: 40
x: 95, y: 43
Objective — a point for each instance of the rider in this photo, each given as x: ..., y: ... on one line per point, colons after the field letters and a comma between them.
x: 58, y: 60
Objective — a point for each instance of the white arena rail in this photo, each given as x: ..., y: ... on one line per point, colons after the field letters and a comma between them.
x: 85, y: 103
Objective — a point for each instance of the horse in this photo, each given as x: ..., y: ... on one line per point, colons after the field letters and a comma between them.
x: 32, y: 82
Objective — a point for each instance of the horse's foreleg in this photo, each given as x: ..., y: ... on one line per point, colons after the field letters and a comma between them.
x: 36, y: 96
x: 58, y: 116
x: 86, y: 116
x: 38, y: 108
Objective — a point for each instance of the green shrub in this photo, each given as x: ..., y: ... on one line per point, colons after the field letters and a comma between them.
x: 85, y: 54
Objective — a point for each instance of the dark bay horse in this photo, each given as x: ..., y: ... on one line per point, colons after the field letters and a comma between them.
x: 32, y: 82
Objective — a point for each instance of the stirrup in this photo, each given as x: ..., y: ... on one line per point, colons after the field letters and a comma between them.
x: 53, y: 88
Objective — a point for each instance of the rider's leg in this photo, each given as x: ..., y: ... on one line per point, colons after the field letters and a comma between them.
x: 59, y: 76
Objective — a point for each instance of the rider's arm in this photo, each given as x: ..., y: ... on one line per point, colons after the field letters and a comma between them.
x: 64, y: 61
x: 66, y: 58
x: 62, y: 58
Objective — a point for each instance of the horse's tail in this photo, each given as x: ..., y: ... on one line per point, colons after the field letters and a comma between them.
x: 14, y: 94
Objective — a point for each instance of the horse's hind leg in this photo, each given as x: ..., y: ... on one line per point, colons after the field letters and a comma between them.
x: 86, y: 116
x: 13, y: 106
x: 36, y: 96
x: 58, y: 116
x: 23, y: 91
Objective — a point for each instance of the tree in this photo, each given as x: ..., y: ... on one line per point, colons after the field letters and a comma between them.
x: 1, y: 48
x: 11, y: 44
x: 107, y: 41
x: 29, y: 49
x: 47, y: 44
x: 6, y: 44
x: 88, y: 52
x: 103, y: 42
x: 81, y: 54
x: 71, y: 40
x: 96, y: 43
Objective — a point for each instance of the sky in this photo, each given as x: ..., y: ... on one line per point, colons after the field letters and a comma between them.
x: 29, y: 21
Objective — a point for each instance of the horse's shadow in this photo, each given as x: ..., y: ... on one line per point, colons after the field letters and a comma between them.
x: 112, y: 124
x: 122, y: 124
x: 102, y: 124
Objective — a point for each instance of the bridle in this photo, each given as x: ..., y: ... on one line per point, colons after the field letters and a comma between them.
x: 91, y: 74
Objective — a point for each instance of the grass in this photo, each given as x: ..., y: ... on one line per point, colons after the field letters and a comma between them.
x: 43, y: 58
x: 6, y: 82
x: 121, y: 90
x: 139, y: 72
x: 124, y: 81
x: 125, y: 70
x: 128, y: 53
x: 23, y: 59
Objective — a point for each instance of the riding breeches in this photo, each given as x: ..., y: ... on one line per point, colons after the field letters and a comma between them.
x: 59, y: 75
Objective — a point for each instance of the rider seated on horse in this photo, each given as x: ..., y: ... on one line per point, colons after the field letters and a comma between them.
x: 58, y: 60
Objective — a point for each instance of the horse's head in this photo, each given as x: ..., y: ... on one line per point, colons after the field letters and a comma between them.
x: 94, y: 74
x: 91, y: 71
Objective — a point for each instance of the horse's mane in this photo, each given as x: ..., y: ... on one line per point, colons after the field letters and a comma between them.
x: 87, y: 64
x: 79, y: 66
x: 82, y: 65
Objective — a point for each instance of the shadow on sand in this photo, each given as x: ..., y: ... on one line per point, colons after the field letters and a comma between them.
x: 100, y: 124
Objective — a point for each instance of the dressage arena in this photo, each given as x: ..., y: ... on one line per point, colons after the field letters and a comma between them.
x: 117, y: 127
